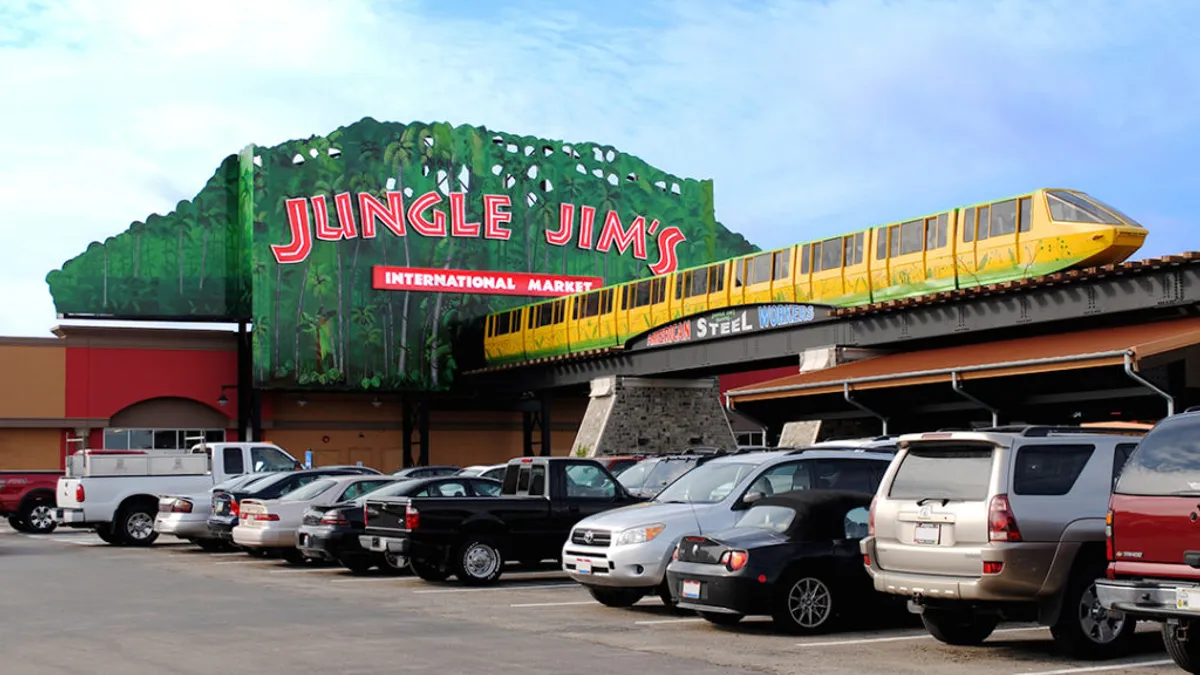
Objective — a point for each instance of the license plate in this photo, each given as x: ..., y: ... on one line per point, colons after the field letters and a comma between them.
x: 376, y: 545
x: 928, y: 533
x: 1187, y: 598
x: 691, y: 589
x: 583, y: 566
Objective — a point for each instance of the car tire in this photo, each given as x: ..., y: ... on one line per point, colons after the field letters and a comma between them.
x: 106, y: 535
x: 357, y: 566
x: 293, y: 556
x: 37, y: 515
x: 209, y: 545
x: 664, y: 593
x: 15, y: 523
x: 134, y: 525
x: 616, y: 597
x: 478, y: 561
x: 957, y: 628
x: 1185, y: 653
x: 1084, y: 629
x: 721, y: 619
x: 393, y: 564
x: 806, y: 603
x: 427, y: 571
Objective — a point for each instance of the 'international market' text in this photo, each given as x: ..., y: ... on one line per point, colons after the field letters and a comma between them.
x: 479, y: 282
x: 309, y: 220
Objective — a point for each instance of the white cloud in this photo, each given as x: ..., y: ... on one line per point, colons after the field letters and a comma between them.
x: 811, y: 117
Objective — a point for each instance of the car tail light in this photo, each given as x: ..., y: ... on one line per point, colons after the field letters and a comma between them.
x: 79, y: 494
x: 871, y: 518
x: 735, y: 560
x: 181, y: 506
x: 412, y: 518
x: 1002, y: 525
x: 233, y: 507
x: 866, y: 560
x: 675, y: 553
x: 992, y: 567
x: 1108, y: 533
x: 334, y: 518
x: 365, y: 512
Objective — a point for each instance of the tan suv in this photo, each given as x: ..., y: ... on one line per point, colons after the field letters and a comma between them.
x: 1005, y: 523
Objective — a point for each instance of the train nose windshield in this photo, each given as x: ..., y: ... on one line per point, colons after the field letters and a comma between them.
x: 1070, y: 207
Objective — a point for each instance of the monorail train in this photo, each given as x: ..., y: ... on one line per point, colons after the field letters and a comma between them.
x: 1014, y: 238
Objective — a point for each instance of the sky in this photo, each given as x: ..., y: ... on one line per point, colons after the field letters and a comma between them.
x: 811, y: 117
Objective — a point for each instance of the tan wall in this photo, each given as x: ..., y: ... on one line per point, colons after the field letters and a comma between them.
x: 36, y: 377
x: 30, y: 449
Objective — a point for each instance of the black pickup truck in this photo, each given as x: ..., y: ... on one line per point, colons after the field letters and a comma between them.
x: 540, y: 500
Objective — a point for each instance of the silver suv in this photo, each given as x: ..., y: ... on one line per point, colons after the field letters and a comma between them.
x: 622, y: 555
x: 1005, y: 523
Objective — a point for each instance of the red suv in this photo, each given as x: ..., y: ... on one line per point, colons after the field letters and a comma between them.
x: 1153, y: 536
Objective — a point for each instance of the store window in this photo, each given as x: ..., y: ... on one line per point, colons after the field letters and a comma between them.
x: 159, y: 439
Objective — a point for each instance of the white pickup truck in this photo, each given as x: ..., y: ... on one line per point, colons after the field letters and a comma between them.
x: 116, y: 492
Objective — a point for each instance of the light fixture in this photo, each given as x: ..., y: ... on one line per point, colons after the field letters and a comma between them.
x: 376, y: 402
x: 222, y: 400
x: 301, y: 401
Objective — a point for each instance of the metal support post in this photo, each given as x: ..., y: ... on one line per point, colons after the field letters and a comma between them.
x: 856, y: 404
x: 1147, y: 384
x: 958, y: 388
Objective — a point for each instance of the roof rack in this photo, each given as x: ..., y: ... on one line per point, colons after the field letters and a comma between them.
x: 1036, y: 430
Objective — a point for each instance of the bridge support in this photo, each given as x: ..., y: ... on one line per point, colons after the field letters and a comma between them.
x: 535, y: 417
x: 633, y: 415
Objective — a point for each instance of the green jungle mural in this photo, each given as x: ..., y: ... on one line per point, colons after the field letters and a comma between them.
x: 287, y: 237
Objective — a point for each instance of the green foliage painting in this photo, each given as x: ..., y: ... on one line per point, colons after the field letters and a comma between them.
x: 319, y: 214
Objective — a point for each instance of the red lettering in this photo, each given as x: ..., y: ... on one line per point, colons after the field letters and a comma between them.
x: 587, y: 217
x: 493, y: 217
x: 635, y: 236
x: 668, y: 261
x: 436, y: 228
x: 321, y: 215
x: 345, y: 213
x: 392, y: 216
x: 301, y: 244
x: 459, y: 227
x: 566, y: 223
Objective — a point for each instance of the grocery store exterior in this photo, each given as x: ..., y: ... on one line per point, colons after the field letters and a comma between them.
x: 355, y: 267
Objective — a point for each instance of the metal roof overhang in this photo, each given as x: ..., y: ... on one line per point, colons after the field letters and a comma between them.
x: 1126, y: 347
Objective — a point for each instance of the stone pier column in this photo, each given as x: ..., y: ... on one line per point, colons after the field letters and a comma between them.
x: 635, y: 415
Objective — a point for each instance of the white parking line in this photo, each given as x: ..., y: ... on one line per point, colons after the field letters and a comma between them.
x: 660, y: 621
x: 923, y: 636
x: 259, y: 561
x: 555, y: 604
x: 1097, y: 669
x: 502, y: 588
x: 201, y: 555
x: 359, y: 580
x: 310, y: 571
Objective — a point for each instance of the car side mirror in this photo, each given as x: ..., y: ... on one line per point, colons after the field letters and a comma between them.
x: 751, y: 497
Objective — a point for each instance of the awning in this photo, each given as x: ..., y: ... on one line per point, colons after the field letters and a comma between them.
x: 1125, y: 346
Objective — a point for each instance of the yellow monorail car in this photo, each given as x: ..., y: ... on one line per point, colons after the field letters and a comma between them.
x: 1013, y: 238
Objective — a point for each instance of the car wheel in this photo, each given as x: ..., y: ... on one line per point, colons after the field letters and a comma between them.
x: 135, y: 525
x: 807, y: 603
x: 357, y: 566
x: 721, y: 619
x: 958, y: 628
x: 38, y: 516
x: 616, y: 597
x: 293, y: 556
x: 1085, y: 629
x: 106, y: 535
x: 1184, y: 651
x: 427, y: 571
x: 479, y: 561
x: 15, y: 523
x: 393, y: 563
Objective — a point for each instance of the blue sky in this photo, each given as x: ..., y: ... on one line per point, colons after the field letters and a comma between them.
x: 811, y: 117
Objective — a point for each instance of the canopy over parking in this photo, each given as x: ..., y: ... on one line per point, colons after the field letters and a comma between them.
x: 1140, y: 371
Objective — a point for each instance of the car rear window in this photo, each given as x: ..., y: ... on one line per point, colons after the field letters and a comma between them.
x: 1166, y: 462
x: 959, y: 472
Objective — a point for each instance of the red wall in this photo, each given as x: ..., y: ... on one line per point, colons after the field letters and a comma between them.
x: 750, y: 377
x: 103, y: 381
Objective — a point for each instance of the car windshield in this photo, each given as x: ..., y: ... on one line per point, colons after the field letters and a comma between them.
x: 309, y: 491
x: 665, y: 472
x: 773, y: 518
x: 398, y: 489
x: 706, y: 484
x: 1071, y: 208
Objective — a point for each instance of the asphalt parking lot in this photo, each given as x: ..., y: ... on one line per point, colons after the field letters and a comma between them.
x: 72, y: 604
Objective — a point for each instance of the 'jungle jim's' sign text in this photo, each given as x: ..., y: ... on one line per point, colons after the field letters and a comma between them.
x: 307, y: 224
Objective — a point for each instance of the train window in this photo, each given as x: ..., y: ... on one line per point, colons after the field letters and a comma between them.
x: 912, y: 237
x: 931, y: 232
x: 560, y: 311
x: 783, y: 264
x: 625, y: 297
x: 641, y: 294
x: 816, y: 257
x: 880, y: 243
x: 588, y: 305
x: 606, y: 301
x: 487, y: 326
x: 858, y: 247
x: 831, y: 254
x: 981, y: 232
x: 943, y: 228
x: 699, y: 285
x: 658, y: 290
x: 761, y: 272
x: 848, y: 249
x: 1067, y: 207
x: 1004, y: 218
x: 515, y: 324
x: 532, y: 316
x: 894, y: 237
x: 679, y: 282
x: 739, y: 269
x: 501, y: 324
x: 716, y: 278
x: 968, y: 224
x: 1025, y: 214
x: 805, y: 252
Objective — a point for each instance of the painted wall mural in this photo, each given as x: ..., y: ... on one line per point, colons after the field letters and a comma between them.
x: 364, y: 257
